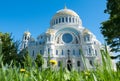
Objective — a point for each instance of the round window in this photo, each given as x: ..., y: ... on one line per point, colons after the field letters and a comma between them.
x: 67, y: 38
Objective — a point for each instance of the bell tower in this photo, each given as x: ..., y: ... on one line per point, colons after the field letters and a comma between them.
x: 25, y: 40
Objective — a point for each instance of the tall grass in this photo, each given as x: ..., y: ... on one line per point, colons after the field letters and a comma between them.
x: 101, y: 73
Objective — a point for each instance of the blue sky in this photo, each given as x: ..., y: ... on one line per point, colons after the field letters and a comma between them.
x: 17, y: 16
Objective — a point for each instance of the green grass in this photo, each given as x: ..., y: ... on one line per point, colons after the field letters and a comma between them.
x: 102, y: 73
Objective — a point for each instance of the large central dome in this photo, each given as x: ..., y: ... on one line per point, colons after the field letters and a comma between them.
x: 65, y: 16
x: 65, y: 11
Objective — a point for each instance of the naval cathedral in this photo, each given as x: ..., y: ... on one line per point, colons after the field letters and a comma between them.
x: 66, y: 41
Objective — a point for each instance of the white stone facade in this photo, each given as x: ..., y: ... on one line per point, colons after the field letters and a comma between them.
x: 66, y: 41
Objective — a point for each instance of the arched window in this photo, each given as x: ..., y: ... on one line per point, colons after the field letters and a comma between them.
x: 69, y: 19
x: 59, y: 20
x: 68, y: 51
x: 87, y: 38
x: 56, y: 21
x: 40, y: 51
x: 76, y: 41
x: 25, y: 37
x: 73, y: 52
x: 78, y: 63
x: 59, y: 63
x: 91, y: 63
x: 89, y: 50
x: 40, y: 43
x: 56, y: 52
x: 62, y: 52
x: 48, y: 50
x: 62, y: 19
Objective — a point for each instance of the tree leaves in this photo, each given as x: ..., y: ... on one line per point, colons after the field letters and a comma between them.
x: 111, y: 28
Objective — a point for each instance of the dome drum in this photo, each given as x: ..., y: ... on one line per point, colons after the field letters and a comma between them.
x: 65, y: 16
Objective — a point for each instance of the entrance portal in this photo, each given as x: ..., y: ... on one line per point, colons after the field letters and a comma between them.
x: 69, y: 65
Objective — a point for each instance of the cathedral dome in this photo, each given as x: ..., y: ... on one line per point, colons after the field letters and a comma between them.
x: 65, y: 16
x: 67, y: 12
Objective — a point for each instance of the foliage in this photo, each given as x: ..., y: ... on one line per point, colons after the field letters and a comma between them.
x: 111, y: 28
x: 27, y: 60
x: 39, y: 60
x: 22, y: 56
x: 118, y: 65
x: 9, y: 48
x: 102, y: 73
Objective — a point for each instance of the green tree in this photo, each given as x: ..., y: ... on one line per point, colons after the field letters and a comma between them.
x: 9, y: 48
x: 24, y: 58
x: 27, y: 60
x: 0, y: 46
x: 39, y: 60
x: 118, y: 65
x: 111, y: 28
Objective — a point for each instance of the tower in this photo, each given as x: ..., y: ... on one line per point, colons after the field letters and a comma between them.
x: 25, y: 40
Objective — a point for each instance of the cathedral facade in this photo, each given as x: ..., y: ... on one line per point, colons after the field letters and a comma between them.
x: 65, y: 41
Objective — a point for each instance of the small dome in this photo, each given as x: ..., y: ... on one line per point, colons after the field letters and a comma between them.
x: 86, y: 31
x: 27, y: 33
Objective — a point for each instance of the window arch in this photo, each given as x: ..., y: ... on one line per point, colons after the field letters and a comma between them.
x: 40, y: 51
x: 63, y: 19
x: 76, y: 40
x: 48, y: 50
x: 56, y: 52
x: 59, y: 20
x: 87, y: 38
x: 78, y: 63
x: 59, y: 63
x: 56, y: 21
x: 89, y: 50
x: 91, y: 63
x: 25, y: 37
x: 69, y: 19
x: 73, y: 52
